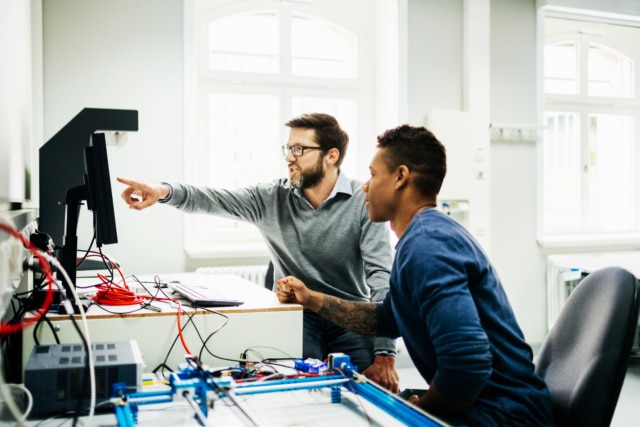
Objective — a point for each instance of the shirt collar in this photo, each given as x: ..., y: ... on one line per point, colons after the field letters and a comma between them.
x: 343, y: 185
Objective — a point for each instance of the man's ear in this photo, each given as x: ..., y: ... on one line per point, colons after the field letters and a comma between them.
x: 333, y: 154
x: 401, y: 176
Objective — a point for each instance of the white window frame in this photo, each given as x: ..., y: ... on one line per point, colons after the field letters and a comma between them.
x: 586, y: 240
x: 250, y: 245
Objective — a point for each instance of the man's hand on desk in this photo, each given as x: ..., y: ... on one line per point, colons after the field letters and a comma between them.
x: 383, y: 372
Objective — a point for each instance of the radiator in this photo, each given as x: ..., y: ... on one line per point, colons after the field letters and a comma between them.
x: 253, y: 273
x: 562, y: 279
x: 565, y: 271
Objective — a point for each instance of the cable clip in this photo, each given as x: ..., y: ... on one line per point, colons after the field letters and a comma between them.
x: 151, y: 307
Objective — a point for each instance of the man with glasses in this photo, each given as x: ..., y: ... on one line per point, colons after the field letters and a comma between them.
x: 316, y: 228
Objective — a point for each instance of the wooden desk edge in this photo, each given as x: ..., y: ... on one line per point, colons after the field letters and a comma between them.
x: 186, y: 310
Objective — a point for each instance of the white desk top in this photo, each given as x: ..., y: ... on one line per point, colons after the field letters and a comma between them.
x: 256, y: 298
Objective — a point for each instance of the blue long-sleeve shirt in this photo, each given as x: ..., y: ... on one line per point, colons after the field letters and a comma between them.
x: 448, y: 304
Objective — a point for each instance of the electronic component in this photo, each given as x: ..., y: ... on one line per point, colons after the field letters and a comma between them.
x: 194, y: 384
x: 151, y: 307
x: 339, y: 361
x: 312, y: 366
x: 54, y: 374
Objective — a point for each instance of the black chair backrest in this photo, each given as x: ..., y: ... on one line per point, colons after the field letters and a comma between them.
x: 584, y: 358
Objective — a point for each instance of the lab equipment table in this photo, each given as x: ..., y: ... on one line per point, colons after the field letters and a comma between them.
x: 260, y: 328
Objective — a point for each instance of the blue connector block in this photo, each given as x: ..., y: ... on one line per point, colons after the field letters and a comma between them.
x: 341, y: 362
x: 312, y: 366
x: 336, y: 394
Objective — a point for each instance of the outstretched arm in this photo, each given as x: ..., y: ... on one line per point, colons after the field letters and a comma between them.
x: 360, y: 317
x: 139, y: 195
x: 356, y: 316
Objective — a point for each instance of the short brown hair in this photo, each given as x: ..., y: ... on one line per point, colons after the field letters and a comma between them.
x: 329, y: 134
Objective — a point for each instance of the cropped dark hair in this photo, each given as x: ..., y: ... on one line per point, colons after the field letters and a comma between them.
x: 420, y: 151
x: 329, y: 134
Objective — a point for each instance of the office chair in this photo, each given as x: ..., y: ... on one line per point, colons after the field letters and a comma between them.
x: 584, y: 358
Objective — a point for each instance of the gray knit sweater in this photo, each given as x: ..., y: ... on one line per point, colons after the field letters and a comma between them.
x: 334, y: 249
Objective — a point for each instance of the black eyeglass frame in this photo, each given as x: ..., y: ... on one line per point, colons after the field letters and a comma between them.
x: 293, y: 148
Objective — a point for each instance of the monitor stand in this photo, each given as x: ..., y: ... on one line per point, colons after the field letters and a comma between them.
x: 69, y: 256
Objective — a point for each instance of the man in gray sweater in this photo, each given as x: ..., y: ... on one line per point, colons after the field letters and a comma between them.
x: 316, y: 228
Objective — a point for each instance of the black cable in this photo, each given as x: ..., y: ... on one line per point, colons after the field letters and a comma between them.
x: 51, y: 327
x: 158, y: 288
x: 88, y: 251
x: 164, y: 365
x: 108, y: 265
x: 102, y: 307
x: 204, y: 343
x: 85, y: 373
x: 166, y: 358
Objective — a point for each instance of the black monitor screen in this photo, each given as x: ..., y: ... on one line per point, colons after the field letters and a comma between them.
x: 98, y: 182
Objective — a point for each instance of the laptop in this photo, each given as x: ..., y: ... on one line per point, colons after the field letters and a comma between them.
x: 201, y: 295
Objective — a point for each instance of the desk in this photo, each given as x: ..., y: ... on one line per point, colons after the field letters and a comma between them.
x: 271, y: 329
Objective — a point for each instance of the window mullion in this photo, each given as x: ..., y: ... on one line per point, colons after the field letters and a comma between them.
x: 584, y: 168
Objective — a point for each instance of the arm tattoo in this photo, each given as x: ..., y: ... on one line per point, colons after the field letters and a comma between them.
x: 356, y: 316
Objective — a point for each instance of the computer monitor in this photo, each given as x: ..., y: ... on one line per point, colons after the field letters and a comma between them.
x: 70, y: 175
x: 96, y: 191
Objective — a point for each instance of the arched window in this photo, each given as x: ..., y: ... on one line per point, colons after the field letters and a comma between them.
x: 256, y: 65
x: 591, y: 154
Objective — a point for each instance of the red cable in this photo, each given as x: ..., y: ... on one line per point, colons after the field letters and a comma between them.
x: 110, y: 293
x: 9, y: 328
x: 112, y: 264
x: 184, y: 344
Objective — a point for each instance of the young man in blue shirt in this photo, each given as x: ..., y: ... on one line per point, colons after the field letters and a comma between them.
x: 445, y: 298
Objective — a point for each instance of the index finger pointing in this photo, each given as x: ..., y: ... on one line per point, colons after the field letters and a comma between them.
x: 129, y: 182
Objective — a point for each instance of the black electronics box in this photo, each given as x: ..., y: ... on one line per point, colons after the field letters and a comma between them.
x: 55, y: 374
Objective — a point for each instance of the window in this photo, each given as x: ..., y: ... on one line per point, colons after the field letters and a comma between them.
x: 257, y: 64
x: 233, y: 48
x: 591, y: 144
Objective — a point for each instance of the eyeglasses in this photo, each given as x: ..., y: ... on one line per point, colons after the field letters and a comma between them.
x: 297, y: 150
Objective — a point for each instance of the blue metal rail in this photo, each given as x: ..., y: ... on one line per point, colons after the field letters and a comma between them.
x: 194, y: 384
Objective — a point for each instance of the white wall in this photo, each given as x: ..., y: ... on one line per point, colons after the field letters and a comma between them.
x: 124, y: 54
x: 128, y: 54
x: 436, y: 71
x: 16, y: 128
x: 514, y: 178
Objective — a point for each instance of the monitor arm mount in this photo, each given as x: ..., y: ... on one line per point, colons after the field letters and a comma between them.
x: 73, y: 202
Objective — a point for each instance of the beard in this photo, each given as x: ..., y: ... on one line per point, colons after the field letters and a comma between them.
x: 309, y: 179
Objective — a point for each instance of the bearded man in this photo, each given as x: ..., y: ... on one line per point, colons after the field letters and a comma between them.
x: 316, y: 227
